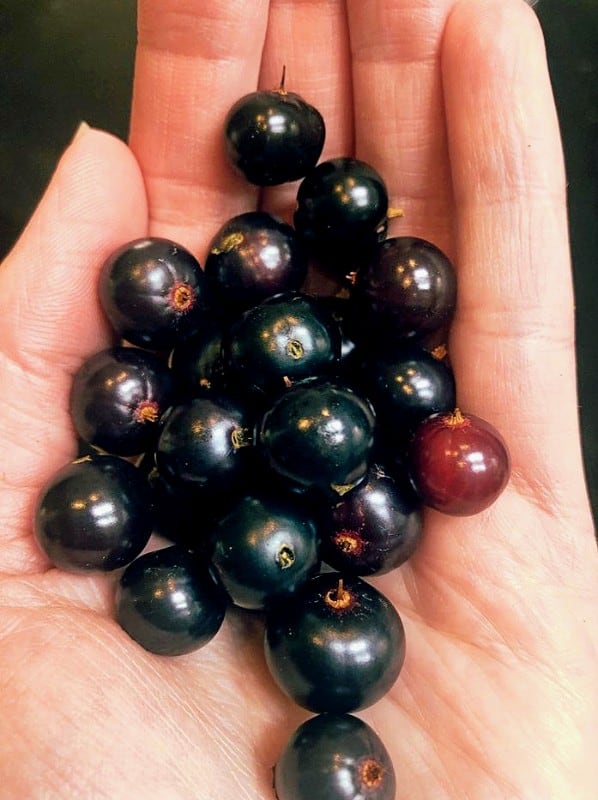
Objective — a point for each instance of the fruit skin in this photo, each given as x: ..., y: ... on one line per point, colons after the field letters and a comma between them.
x: 94, y: 514
x: 254, y: 256
x: 285, y: 339
x: 405, y: 384
x: 374, y: 528
x: 117, y: 399
x: 341, y: 208
x: 408, y: 288
x: 319, y: 435
x: 273, y: 137
x: 334, y: 757
x: 335, y: 659
x: 203, y: 442
x: 154, y: 293
x: 458, y: 463
x: 169, y: 603
x: 264, y: 548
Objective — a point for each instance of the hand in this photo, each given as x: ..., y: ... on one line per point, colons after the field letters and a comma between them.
x: 450, y: 100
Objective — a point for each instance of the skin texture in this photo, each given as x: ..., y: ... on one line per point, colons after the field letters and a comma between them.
x: 450, y: 100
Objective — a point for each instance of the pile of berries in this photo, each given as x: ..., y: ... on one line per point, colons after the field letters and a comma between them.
x: 285, y: 443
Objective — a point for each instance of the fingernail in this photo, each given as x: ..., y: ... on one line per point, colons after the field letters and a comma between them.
x: 82, y: 129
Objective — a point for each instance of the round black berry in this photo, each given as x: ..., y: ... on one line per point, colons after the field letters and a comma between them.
x: 319, y: 435
x: 285, y: 339
x: 334, y: 757
x: 202, y: 444
x: 94, y: 514
x: 169, y: 603
x: 405, y: 384
x: 154, y: 293
x: 117, y: 399
x: 337, y: 644
x: 273, y: 137
x: 263, y: 549
x: 341, y: 210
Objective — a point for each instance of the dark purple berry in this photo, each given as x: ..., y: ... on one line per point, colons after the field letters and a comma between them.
x: 334, y: 757
x: 94, y: 514
x: 273, y: 137
x: 118, y: 397
x: 154, y: 293
x: 169, y: 603
x: 408, y: 288
x: 319, y: 435
x: 264, y: 548
x: 252, y: 257
x: 337, y: 644
x: 374, y: 528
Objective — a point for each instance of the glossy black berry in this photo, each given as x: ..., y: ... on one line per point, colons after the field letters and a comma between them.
x: 94, y: 514
x: 406, y: 384
x: 285, y: 339
x: 117, y: 399
x: 341, y: 206
x: 154, y: 293
x: 334, y: 757
x: 263, y: 549
x: 409, y: 287
x: 319, y: 435
x: 374, y: 528
x: 252, y: 257
x: 273, y: 137
x: 202, y: 444
x: 169, y: 603
x: 336, y: 645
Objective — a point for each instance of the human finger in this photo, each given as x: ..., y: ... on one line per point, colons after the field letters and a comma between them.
x: 194, y: 60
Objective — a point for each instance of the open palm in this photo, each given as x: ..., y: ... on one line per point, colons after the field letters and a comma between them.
x: 450, y: 101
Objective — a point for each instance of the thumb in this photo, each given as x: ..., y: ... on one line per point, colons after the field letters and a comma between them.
x: 95, y: 202
x: 51, y: 320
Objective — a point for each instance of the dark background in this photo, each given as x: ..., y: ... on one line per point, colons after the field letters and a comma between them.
x: 63, y: 61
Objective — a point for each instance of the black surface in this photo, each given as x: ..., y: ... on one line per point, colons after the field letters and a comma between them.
x: 63, y: 62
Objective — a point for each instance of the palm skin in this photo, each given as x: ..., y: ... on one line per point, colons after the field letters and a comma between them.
x: 498, y: 698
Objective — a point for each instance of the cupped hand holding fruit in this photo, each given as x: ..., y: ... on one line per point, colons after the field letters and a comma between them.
x: 498, y: 697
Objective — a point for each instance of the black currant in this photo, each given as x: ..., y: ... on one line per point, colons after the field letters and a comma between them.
x: 409, y: 287
x: 342, y: 206
x: 118, y: 397
x: 202, y: 444
x: 405, y: 384
x: 374, y: 528
x: 154, y: 293
x: 334, y: 757
x: 319, y: 435
x: 273, y: 137
x: 285, y: 339
x: 264, y: 548
x: 252, y: 257
x: 169, y: 603
x: 94, y: 514
x: 337, y: 644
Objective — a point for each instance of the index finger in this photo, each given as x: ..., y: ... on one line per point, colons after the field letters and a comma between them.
x: 194, y: 60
